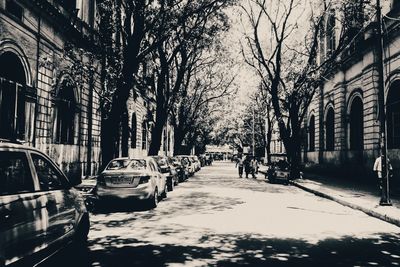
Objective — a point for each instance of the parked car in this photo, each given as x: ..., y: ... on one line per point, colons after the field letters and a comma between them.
x: 194, y: 164
x: 137, y: 179
x: 182, y: 168
x: 188, y: 163
x: 197, y: 163
x: 209, y: 159
x: 40, y: 210
x: 278, y: 172
x: 168, y: 169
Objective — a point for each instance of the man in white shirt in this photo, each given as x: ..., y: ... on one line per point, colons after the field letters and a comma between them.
x: 382, y: 182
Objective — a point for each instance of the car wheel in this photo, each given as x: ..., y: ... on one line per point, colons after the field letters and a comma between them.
x: 154, y: 200
x: 165, y: 192
x: 82, y: 230
x: 171, y: 185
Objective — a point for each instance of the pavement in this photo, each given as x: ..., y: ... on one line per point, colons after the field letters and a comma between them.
x: 351, y: 193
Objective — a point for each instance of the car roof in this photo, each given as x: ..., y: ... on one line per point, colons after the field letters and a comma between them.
x: 16, y: 146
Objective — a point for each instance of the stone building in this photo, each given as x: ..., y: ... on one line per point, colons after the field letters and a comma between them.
x: 48, y: 80
x: 342, y: 126
x: 141, y: 120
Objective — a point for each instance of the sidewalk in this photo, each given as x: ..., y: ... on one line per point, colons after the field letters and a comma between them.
x: 352, y: 194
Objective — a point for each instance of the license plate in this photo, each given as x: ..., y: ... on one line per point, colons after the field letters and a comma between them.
x: 122, y: 180
x: 281, y: 174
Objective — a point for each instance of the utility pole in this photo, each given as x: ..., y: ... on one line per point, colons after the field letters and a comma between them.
x: 385, y: 199
x: 254, y: 141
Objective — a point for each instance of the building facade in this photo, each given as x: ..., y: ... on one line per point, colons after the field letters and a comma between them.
x: 48, y: 80
x: 342, y: 125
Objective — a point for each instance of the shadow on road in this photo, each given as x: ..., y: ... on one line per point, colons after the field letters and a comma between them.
x: 235, y: 250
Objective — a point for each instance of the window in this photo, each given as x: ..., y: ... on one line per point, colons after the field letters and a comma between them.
x: 311, y: 134
x: 133, y: 131
x: 12, y: 97
x: 118, y: 164
x: 356, y: 124
x: 393, y: 116
x: 330, y: 34
x: 14, y: 9
x: 65, y: 118
x: 330, y: 130
x: 144, y: 135
x: 49, y: 177
x: 15, y: 174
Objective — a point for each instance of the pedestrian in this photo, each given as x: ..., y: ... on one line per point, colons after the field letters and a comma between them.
x: 247, y: 166
x: 381, y: 181
x: 254, y: 166
x: 239, y: 164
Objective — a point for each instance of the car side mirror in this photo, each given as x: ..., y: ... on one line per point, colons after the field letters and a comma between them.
x: 75, y: 180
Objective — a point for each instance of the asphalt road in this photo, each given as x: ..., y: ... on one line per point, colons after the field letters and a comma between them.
x: 218, y: 219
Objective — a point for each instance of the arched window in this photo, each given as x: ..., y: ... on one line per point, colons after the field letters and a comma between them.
x: 65, y: 119
x: 144, y: 135
x: 356, y: 124
x: 330, y: 130
x: 393, y: 116
x: 133, y: 131
x: 330, y: 33
x: 12, y: 97
x: 311, y: 134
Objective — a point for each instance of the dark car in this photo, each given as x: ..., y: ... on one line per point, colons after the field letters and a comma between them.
x: 279, y: 170
x: 40, y: 210
x: 169, y: 170
x: 180, y: 168
x: 187, y: 162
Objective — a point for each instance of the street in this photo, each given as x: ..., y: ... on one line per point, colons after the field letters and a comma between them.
x: 218, y: 219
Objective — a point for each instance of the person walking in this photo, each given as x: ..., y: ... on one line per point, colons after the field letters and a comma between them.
x: 239, y: 164
x: 247, y: 166
x: 381, y: 181
x: 254, y: 166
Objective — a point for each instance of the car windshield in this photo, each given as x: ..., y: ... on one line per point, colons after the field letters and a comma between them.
x: 120, y: 164
x: 162, y: 162
x: 138, y: 164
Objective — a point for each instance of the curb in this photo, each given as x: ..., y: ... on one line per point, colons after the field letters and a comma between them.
x: 378, y: 215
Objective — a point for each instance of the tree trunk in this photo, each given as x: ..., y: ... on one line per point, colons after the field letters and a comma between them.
x: 178, y: 140
x: 125, y: 134
x: 156, y: 133
x: 268, y: 145
x: 109, y: 131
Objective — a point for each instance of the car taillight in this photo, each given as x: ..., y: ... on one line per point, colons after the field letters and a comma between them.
x: 101, y: 180
x: 144, y: 179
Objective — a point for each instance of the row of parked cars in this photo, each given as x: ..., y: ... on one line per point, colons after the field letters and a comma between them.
x: 42, y: 210
x: 147, y: 179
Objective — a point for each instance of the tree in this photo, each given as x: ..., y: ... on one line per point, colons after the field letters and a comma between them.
x: 258, y: 111
x: 130, y: 31
x: 288, y: 65
x: 197, y: 24
x: 209, y: 79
